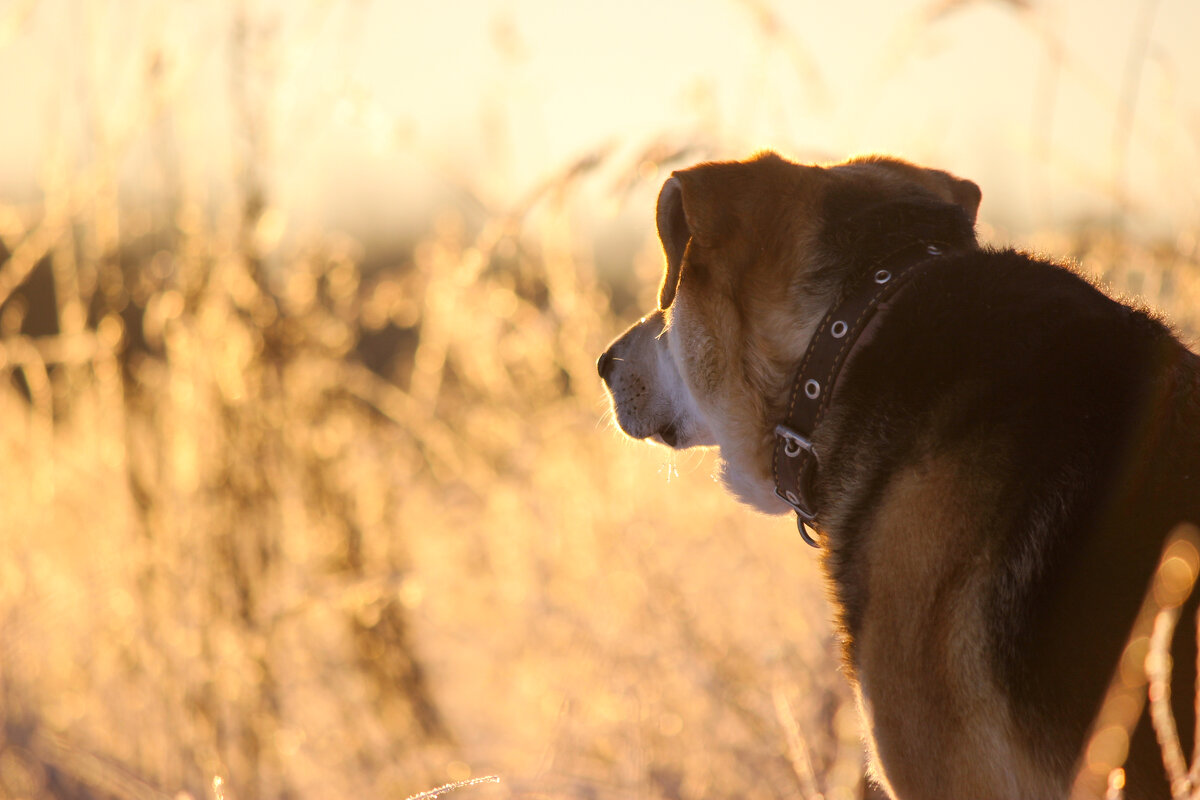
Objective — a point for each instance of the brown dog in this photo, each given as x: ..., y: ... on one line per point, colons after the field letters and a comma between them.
x: 992, y: 450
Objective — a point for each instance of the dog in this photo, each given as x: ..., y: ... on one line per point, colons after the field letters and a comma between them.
x: 990, y: 449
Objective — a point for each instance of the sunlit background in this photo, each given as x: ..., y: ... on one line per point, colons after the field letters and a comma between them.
x: 308, y: 486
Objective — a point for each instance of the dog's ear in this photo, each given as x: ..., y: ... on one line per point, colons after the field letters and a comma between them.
x: 716, y: 203
x: 965, y: 194
x: 702, y: 204
x: 961, y: 192
x: 674, y: 232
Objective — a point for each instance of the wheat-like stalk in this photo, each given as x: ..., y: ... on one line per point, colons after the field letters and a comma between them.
x: 1144, y: 671
x: 451, y: 787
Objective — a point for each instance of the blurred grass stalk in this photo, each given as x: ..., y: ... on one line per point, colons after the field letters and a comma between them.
x: 1144, y: 671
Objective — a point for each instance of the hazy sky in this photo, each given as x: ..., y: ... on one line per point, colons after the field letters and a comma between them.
x: 370, y: 113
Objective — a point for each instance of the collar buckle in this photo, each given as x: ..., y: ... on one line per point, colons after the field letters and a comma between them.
x: 794, y: 443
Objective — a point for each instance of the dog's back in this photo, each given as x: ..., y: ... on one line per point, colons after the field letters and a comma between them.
x: 1053, y: 435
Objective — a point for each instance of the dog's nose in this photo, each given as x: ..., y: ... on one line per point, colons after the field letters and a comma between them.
x: 604, y: 364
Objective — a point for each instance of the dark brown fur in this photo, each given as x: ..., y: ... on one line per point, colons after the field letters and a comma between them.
x: 1087, y: 414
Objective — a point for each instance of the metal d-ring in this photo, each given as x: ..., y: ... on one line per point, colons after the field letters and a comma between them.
x: 802, y: 526
x: 804, y: 517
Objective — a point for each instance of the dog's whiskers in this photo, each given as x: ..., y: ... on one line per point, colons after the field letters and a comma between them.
x: 669, y: 467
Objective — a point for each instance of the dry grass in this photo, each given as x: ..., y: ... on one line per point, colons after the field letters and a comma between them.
x: 231, y: 550
x: 237, y: 562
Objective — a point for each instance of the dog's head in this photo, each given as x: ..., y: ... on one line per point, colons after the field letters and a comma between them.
x: 756, y: 252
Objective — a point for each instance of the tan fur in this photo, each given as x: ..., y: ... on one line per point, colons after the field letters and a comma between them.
x: 920, y: 640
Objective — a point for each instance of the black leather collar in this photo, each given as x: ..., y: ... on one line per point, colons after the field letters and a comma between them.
x: 796, y: 460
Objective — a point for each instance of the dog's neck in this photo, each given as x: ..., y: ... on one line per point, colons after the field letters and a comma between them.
x: 884, y: 247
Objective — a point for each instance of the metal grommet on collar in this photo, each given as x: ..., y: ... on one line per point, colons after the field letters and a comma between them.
x: 933, y: 250
x: 838, y: 329
x: 812, y: 389
x: 883, y: 276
